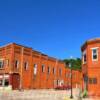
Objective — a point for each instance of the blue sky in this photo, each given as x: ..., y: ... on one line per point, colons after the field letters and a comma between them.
x: 55, y: 27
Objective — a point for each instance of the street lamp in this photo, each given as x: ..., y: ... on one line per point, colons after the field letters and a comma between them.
x: 70, y: 65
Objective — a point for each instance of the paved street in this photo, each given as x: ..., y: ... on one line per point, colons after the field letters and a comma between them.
x: 39, y: 95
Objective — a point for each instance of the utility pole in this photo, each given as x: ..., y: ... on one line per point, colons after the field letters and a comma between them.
x: 71, y: 85
x: 70, y: 65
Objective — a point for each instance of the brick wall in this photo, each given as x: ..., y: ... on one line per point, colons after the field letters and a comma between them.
x: 36, y: 70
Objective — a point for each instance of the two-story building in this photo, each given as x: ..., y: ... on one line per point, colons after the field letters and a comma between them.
x: 91, y: 66
x: 22, y: 67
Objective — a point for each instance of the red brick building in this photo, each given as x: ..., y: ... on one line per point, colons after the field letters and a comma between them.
x: 23, y: 67
x: 91, y: 66
x: 76, y: 77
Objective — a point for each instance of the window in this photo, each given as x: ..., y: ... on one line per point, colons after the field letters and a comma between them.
x: 84, y: 57
x: 26, y: 65
x: 6, y: 82
x: 35, y: 69
x: 0, y: 82
x: 94, y: 54
x: 16, y: 64
x: 43, y: 68
x: 48, y: 70
x: 7, y: 62
x: 92, y: 80
x: 68, y: 75
x: 60, y: 71
x: 1, y: 64
x: 54, y: 71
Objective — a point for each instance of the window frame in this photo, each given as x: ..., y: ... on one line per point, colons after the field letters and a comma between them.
x: 93, y: 80
x: 6, y: 82
x: 35, y: 71
x: 60, y: 71
x: 7, y: 62
x: 54, y: 70
x: 48, y: 70
x: 84, y: 54
x: 17, y: 64
x: 26, y: 65
x: 96, y: 48
x: 2, y: 61
x: 1, y: 82
x: 43, y: 68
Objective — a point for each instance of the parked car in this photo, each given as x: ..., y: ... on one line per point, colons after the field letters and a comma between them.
x: 63, y: 87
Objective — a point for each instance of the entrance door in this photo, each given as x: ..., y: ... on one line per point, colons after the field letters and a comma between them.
x: 15, y: 81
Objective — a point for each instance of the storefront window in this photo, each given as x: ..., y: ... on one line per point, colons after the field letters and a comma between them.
x: 0, y: 82
x: 6, y: 82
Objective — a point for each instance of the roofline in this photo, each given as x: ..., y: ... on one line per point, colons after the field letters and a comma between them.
x: 22, y: 45
x: 90, y: 41
x: 5, y: 45
x: 33, y: 51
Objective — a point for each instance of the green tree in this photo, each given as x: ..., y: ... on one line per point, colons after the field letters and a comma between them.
x: 76, y: 63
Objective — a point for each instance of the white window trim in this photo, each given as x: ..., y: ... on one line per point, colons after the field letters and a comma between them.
x: 97, y: 53
x: 94, y: 48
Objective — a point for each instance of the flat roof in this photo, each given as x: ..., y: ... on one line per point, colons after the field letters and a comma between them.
x: 33, y: 51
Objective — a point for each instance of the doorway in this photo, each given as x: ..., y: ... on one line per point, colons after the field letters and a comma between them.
x: 15, y: 81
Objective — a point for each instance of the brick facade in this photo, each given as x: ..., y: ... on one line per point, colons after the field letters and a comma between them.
x: 91, y: 66
x: 23, y: 67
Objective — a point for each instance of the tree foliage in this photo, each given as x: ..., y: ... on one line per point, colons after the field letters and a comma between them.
x: 75, y: 63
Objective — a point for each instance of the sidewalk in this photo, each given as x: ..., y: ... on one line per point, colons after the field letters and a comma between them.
x: 40, y: 95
